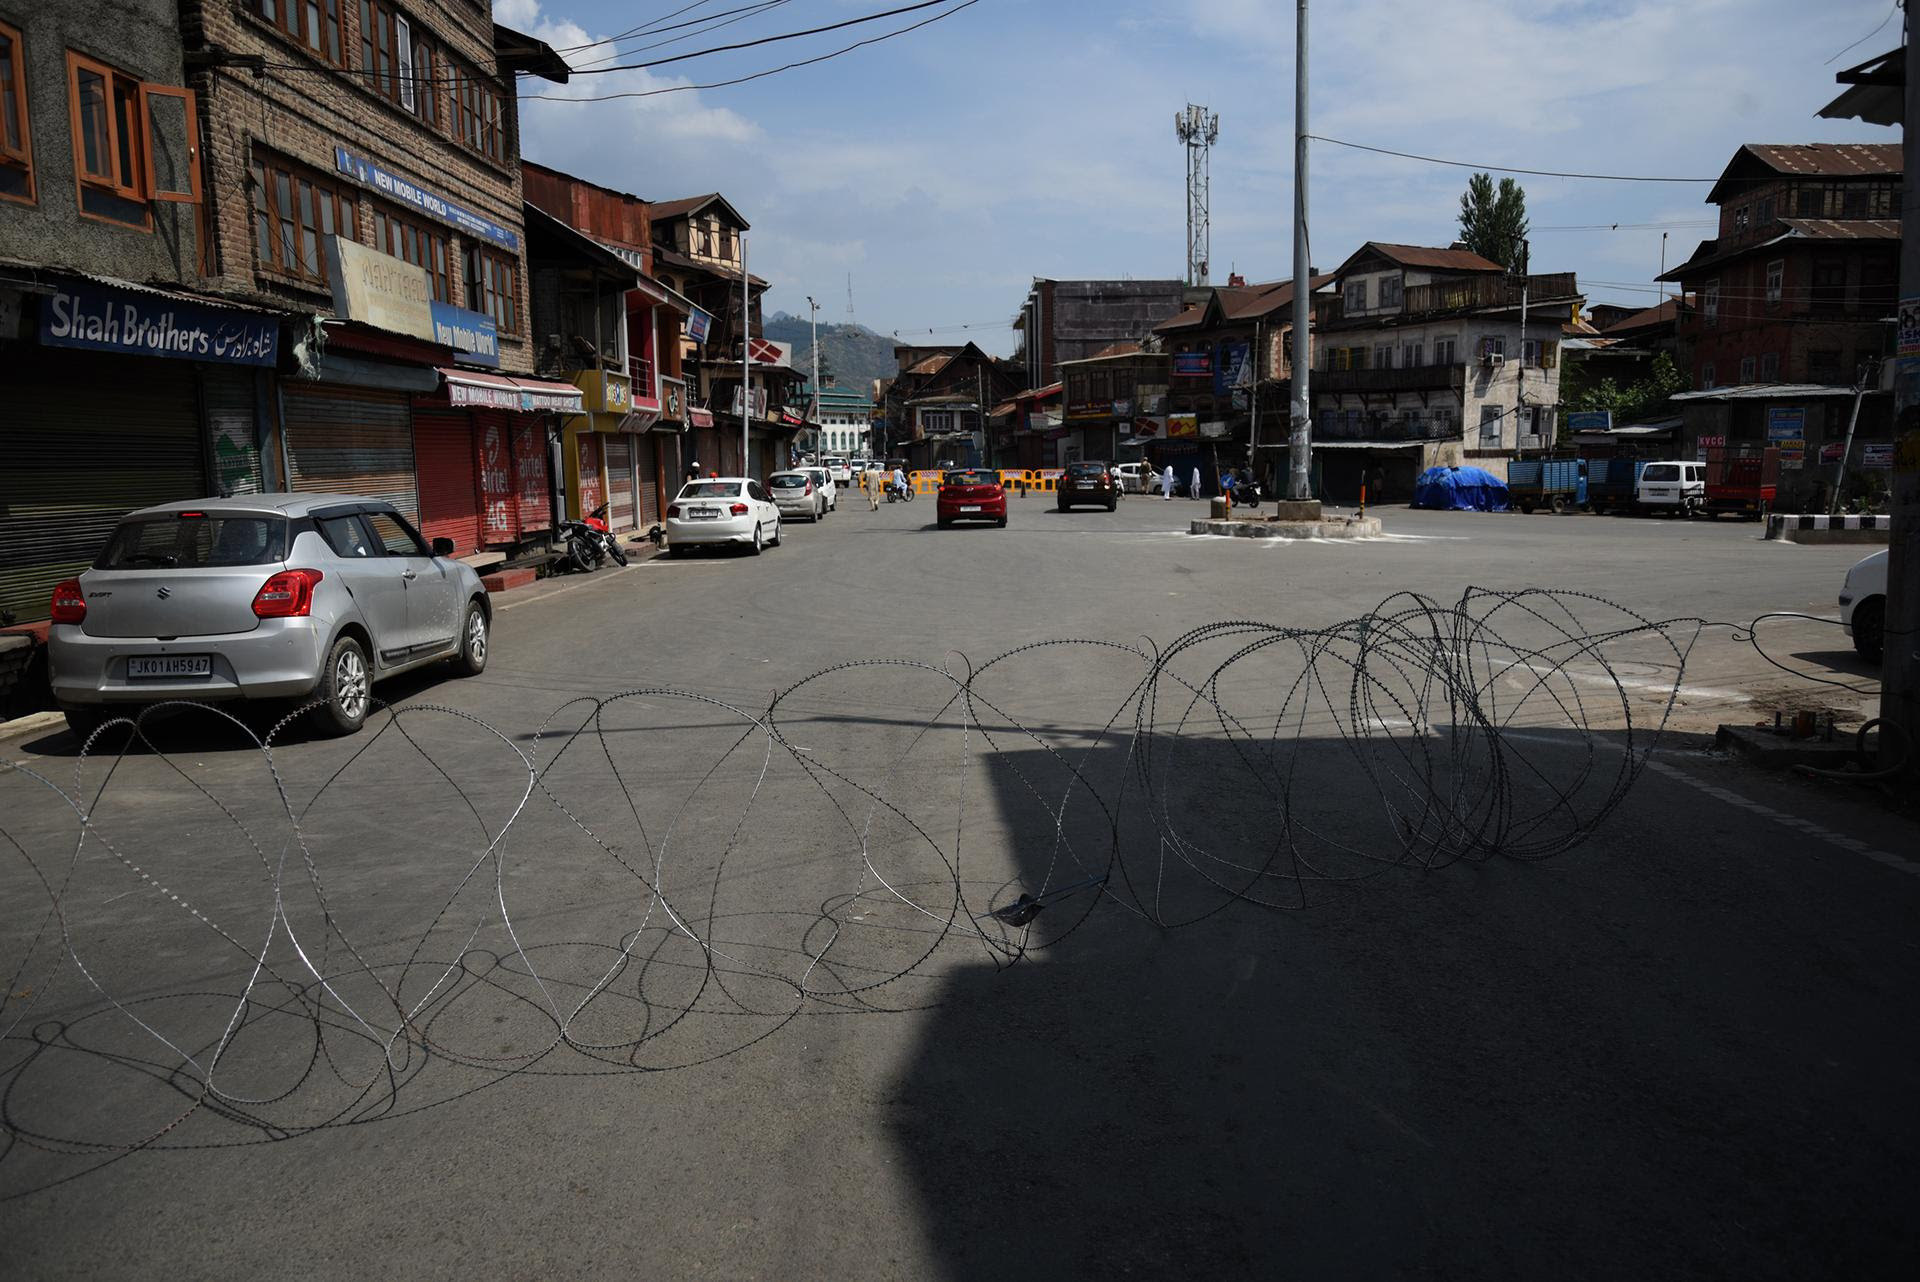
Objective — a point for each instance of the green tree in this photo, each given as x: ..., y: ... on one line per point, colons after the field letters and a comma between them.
x: 1493, y: 221
x: 1645, y: 399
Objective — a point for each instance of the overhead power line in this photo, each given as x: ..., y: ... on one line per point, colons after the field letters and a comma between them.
x: 763, y: 40
x: 1508, y: 169
x: 758, y: 75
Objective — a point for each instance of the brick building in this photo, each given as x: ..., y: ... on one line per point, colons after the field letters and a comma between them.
x: 934, y: 411
x: 610, y: 327
x: 362, y: 167
x: 1226, y: 354
x: 1070, y: 320
x: 123, y: 381
x: 1792, y: 303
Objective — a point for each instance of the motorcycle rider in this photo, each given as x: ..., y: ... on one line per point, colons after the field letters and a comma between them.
x: 900, y: 482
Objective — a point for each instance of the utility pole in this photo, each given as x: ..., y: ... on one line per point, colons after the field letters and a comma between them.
x: 1300, y: 438
x: 746, y: 356
x: 1860, y: 381
x: 1900, y: 665
x: 1520, y: 370
x: 813, y: 411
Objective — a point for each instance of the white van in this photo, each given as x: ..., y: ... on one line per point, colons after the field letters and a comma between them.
x: 1672, y: 485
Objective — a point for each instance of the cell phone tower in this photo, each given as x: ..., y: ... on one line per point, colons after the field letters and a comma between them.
x: 1197, y: 128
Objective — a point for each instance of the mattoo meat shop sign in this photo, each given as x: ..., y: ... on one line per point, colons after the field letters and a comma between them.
x: 104, y: 318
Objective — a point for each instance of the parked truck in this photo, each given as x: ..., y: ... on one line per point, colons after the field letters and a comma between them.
x: 1743, y: 479
x: 1559, y: 484
x: 1611, y: 481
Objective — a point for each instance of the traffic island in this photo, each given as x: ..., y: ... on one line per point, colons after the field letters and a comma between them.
x: 1256, y: 525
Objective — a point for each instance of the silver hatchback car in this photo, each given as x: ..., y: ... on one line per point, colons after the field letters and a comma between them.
x: 264, y: 596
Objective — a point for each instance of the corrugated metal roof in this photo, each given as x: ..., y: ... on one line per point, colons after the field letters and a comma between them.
x: 931, y: 365
x: 1845, y: 228
x: 1808, y: 160
x: 1452, y: 260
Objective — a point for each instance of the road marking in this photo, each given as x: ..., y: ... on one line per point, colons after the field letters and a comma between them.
x: 1852, y: 845
x: 572, y: 587
x: 1840, y: 840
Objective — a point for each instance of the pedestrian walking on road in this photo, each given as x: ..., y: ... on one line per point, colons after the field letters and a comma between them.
x: 871, y: 483
x: 1166, y: 484
x: 1194, y: 493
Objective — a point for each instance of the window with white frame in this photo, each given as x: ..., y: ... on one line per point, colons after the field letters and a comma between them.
x: 1410, y: 356
x: 1356, y: 295
x: 1490, y: 416
x: 1710, y: 302
x: 1443, y: 424
x: 1443, y: 351
x: 1746, y: 369
x: 1383, y: 356
x: 1706, y: 375
x: 1770, y: 367
x: 1776, y: 276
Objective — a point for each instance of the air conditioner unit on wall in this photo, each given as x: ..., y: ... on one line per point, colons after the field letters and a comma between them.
x: 1493, y: 360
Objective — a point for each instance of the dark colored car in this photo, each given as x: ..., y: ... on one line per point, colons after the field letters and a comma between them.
x: 971, y: 494
x: 1089, y: 483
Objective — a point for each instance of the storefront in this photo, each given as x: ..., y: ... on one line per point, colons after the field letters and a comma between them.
x: 117, y: 397
x: 485, y: 479
x: 600, y: 448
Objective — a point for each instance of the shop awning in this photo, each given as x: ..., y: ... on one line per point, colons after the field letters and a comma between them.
x: 504, y: 392
x: 1365, y: 445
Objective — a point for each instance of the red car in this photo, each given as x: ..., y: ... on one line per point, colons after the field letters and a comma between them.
x: 971, y: 494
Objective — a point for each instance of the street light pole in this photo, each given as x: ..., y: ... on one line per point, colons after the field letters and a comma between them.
x: 746, y: 356
x: 813, y: 411
x: 1300, y: 438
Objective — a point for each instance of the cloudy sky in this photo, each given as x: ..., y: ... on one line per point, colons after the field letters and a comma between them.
x: 944, y: 169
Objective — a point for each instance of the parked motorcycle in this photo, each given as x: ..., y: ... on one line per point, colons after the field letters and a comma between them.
x: 587, y: 543
x: 608, y: 546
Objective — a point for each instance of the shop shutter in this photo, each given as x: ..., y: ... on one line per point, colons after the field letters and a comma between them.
x: 88, y: 437
x: 620, y: 482
x: 532, y: 487
x: 351, y: 440
x: 499, y: 500
x: 591, y: 494
x: 443, y: 453
x: 706, y: 449
x: 652, y: 469
x: 229, y: 402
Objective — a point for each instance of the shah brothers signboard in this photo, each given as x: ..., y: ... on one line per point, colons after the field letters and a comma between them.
x: 395, y: 295
x: 107, y: 318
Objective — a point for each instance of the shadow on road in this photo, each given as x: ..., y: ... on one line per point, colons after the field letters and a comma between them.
x: 1665, y: 1053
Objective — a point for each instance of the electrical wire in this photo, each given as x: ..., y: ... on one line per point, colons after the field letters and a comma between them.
x: 763, y: 40
x: 758, y: 75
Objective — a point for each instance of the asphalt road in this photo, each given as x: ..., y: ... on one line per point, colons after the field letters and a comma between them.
x: 1283, y: 1012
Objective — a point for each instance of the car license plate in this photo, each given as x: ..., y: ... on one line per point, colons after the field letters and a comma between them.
x: 969, y: 507
x: 171, y: 665
x: 703, y: 513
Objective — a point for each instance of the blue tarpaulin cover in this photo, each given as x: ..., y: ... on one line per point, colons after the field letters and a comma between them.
x: 1460, y: 489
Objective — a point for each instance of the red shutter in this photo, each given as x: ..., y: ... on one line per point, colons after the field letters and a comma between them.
x: 620, y: 482
x: 443, y: 453
x: 530, y: 475
x: 499, y: 505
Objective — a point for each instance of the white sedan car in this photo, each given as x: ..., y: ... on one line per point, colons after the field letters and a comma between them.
x: 722, y: 509
x: 1863, y: 605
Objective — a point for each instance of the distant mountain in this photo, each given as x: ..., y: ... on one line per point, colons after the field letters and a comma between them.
x: 853, y: 354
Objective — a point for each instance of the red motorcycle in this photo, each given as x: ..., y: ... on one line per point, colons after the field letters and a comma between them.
x: 591, y: 541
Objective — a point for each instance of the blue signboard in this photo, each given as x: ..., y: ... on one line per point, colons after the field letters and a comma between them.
x: 1193, y: 364
x: 1232, y: 369
x: 1786, y: 424
x: 427, y: 202
x: 1590, y: 420
x: 472, y: 334
x: 105, y: 319
x: 698, y: 323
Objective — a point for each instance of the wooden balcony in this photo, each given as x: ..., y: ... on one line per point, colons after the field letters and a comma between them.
x: 1467, y: 293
